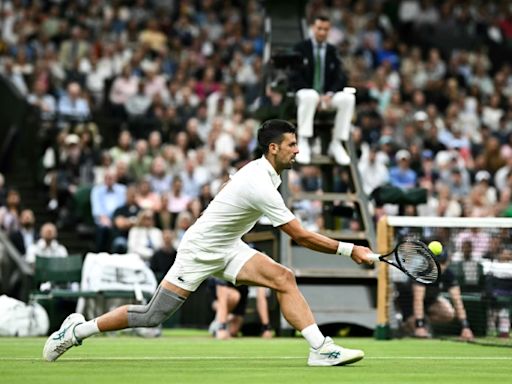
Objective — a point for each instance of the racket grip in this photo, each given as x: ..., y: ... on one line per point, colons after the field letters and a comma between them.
x: 374, y: 256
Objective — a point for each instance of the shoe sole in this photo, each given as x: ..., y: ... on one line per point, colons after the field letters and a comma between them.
x: 341, y: 363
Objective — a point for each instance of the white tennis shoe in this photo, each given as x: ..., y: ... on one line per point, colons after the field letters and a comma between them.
x: 63, y: 339
x: 330, y: 354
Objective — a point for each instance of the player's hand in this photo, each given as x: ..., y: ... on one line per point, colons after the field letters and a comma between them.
x: 421, y: 332
x: 360, y: 255
x: 466, y: 334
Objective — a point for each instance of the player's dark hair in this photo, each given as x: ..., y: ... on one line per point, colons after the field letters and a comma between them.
x: 272, y: 131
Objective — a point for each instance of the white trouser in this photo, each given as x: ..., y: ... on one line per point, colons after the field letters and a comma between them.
x: 307, y: 102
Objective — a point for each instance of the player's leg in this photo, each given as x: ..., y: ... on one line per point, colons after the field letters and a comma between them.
x: 183, y: 278
x: 164, y: 303
x: 261, y: 270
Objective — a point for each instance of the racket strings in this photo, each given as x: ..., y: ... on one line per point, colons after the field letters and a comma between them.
x: 418, y: 262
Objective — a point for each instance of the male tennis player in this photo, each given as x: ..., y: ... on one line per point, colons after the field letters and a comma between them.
x: 213, y: 246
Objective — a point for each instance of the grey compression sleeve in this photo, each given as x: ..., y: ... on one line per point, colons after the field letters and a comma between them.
x: 163, y: 304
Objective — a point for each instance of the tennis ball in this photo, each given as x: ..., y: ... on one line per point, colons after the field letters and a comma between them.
x: 436, y: 247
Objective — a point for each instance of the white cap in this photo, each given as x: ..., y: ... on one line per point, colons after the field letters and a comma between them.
x: 482, y: 175
x: 72, y: 139
x: 403, y: 154
x: 420, y: 116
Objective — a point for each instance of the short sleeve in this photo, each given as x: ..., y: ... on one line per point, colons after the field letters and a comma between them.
x: 271, y: 204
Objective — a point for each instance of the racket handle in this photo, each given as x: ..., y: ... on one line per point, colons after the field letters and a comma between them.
x: 374, y: 256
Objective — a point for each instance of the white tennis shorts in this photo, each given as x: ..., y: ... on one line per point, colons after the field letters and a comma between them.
x: 191, y: 268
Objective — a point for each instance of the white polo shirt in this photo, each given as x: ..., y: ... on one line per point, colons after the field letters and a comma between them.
x: 250, y: 194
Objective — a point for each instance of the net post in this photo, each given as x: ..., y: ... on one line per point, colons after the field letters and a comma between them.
x: 384, y: 236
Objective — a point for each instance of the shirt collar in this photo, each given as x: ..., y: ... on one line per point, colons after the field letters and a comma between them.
x: 276, y: 179
x: 316, y: 44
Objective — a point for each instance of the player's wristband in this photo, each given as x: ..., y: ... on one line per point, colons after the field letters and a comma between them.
x: 265, y: 327
x: 420, y: 323
x: 345, y: 249
x: 464, y: 323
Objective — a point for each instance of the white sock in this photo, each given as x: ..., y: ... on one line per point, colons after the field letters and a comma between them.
x: 84, y: 330
x: 314, y: 337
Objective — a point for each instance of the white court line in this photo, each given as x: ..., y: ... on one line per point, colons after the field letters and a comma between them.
x: 178, y: 358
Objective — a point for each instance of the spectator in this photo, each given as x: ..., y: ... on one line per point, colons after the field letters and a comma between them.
x: 74, y: 49
x: 159, y: 179
x: 123, y: 88
x: 123, y: 149
x: 105, y: 199
x: 47, y: 245
x: 144, y: 238
x: 178, y: 198
x: 124, y: 218
x: 164, y: 257
x: 26, y: 235
x: 146, y: 198
x: 44, y: 101
x: 401, y: 175
x: 374, y: 172
x: 73, y: 107
x: 140, y: 162
x: 319, y: 82
x: 9, y: 214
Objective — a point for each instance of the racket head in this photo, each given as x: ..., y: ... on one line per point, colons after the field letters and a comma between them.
x: 417, y: 261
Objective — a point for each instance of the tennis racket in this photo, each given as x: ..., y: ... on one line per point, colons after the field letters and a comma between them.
x: 414, y: 259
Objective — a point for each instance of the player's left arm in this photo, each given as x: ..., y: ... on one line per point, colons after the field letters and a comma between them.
x: 321, y: 243
x: 460, y: 312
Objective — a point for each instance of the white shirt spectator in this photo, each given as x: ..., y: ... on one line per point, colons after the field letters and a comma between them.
x: 41, y: 248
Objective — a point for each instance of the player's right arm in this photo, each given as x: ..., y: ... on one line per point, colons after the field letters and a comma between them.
x: 321, y: 243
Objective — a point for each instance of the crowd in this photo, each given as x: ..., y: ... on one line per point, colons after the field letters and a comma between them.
x: 178, y: 83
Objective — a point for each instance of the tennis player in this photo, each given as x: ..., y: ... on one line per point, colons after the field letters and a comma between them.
x: 213, y: 247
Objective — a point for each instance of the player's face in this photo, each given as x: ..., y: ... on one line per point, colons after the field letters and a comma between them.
x: 287, y: 150
x: 321, y: 30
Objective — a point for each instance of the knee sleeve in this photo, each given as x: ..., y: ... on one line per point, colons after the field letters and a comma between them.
x: 162, y: 306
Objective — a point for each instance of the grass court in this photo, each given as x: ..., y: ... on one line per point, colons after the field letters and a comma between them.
x: 185, y: 356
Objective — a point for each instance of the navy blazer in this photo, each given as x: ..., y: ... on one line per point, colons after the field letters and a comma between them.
x: 302, y: 77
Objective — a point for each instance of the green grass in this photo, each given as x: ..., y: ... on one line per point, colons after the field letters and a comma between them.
x: 193, y: 357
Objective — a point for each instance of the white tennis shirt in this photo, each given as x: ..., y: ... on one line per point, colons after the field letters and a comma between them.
x: 250, y: 194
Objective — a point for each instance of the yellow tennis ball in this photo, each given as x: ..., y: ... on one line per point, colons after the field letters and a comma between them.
x: 436, y: 247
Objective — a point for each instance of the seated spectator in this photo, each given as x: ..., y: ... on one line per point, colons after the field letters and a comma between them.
x: 164, y: 257
x: 123, y: 149
x: 9, y: 214
x: 26, y: 235
x: 105, y: 199
x: 124, y: 86
x: 318, y: 82
x: 124, y: 218
x: 140, y: 162
x: 44, y: 101
x: 72, y: 106
x: 159, y: 179
x: 146, y: 198
x: 374, y: 173
x: 178, y: 199
x: 401, y: 175
x: 46, y: 246
x: 144, y: 238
